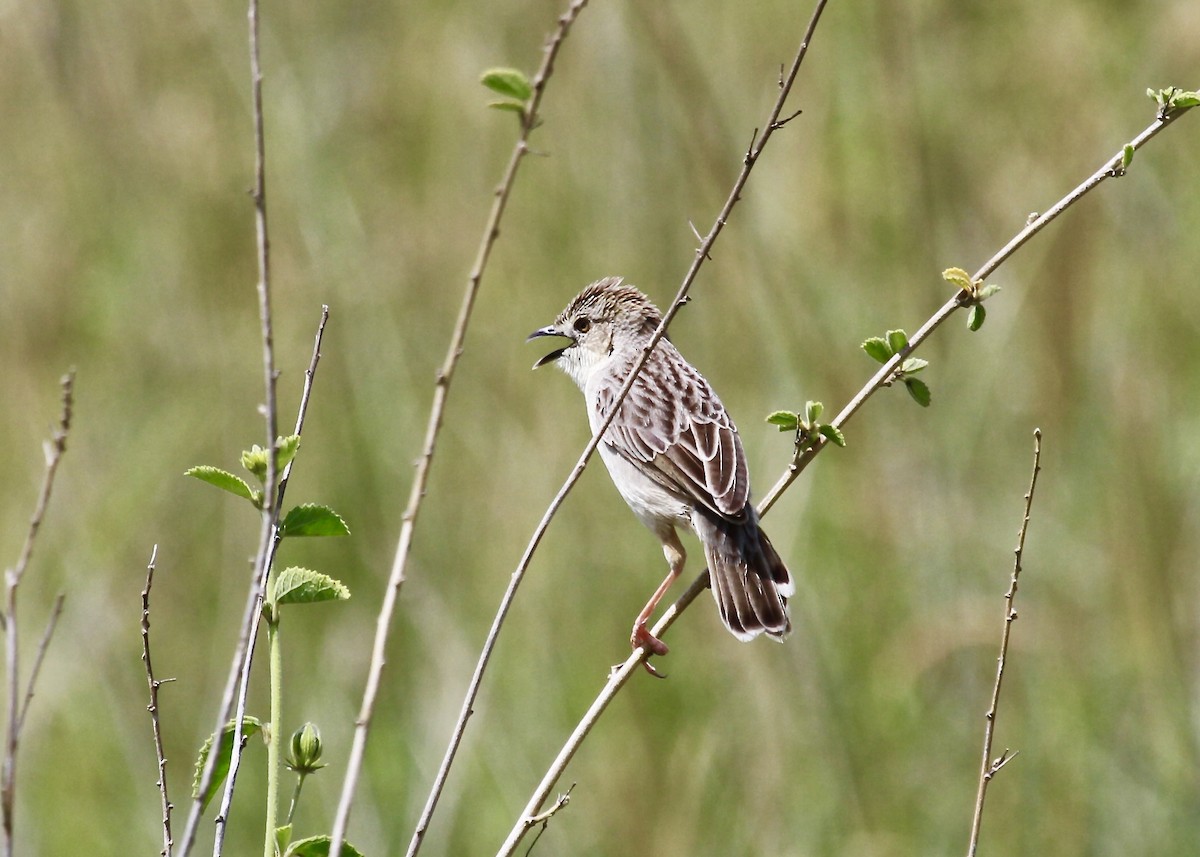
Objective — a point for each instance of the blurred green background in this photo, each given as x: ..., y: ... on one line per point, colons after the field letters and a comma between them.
x: 930, y: 131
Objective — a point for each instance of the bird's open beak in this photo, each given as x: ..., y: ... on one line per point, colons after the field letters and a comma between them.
x: 556, y: 353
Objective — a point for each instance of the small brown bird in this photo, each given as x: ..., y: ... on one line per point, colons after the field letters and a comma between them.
x: 674, y: 455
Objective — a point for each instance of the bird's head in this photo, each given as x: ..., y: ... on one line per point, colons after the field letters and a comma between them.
x: 605, y: 316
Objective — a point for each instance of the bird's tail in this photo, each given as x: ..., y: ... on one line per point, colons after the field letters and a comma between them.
x: 749, y: 580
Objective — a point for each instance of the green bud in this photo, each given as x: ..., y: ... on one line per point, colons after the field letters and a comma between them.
x: 305, y: 750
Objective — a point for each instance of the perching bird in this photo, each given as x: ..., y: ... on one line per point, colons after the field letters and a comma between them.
x: 674, y: 455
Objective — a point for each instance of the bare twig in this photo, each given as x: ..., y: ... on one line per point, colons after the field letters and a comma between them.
x: 543, y: 818
x: 530, y: 118
x: 18, y: 699
x: 154, y: 684
x: 988, y: 767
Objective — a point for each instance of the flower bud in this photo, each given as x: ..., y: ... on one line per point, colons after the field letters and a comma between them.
x: 305, y: 749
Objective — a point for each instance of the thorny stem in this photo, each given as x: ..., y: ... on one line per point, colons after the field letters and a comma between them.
x: 154, y: 685
x: 988, y: 767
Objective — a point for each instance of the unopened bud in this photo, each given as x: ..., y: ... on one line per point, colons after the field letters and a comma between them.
x: 305, y: 750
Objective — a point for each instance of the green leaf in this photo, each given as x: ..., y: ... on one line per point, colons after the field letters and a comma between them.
x: 250, y: 726
x: 512, y: 106
x: 296, y: 585
x: 313, y: 519
x: 986, y: 292
x: 283, y: 835
x: 812, y: 412
x: 1186, y: 99
x: 958, y: 277
x: 913, y: 365
x: 976, y: 317
x: 1127, y: 156
x: 919, y: 390
x: 897, y: 339
x: 318, y: 846
x: 786, y: 420
x: 878, y: 349
x: 507, y: 81
x: 225, y: 481
x: 833, y: 434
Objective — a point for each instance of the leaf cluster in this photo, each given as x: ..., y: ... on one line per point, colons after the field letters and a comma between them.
x: 807, y: 426
x: 884, y: 348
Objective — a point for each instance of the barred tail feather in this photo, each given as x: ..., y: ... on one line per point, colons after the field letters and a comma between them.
x: 750, y: 583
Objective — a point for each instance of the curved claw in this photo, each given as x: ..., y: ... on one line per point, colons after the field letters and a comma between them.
x: 641, y: 638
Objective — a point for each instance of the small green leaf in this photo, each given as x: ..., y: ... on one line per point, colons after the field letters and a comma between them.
x: 296, y: 585
x: 897, y: 339
x: 312, y: 519
x: 833, y: 434
x: 812, y: 412
x: 225, y: 481
x: 913, y: 365
x: 318, y: 846
x: 976, y: 317
x: 1127, y: 156
x: 919, y: 390
x: 511, y: 106
x: 250, y: 726
x: 507, y: 81
x: 1186, y: 99
x: 986, y: 292
x: 878, y: 349
x: 958, y: 277
x: 283, y: 835
x: 786, y: 420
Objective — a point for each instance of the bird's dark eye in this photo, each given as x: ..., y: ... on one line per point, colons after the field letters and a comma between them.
x: 582, y: 324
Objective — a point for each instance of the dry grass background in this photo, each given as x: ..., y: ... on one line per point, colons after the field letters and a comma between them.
x: 930, y: 130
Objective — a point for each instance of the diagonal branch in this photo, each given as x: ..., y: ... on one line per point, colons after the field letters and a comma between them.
x: 530, y: 118
x: 621, y: 676
x: 1112, y: 168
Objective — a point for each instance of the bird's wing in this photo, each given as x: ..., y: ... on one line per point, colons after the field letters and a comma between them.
x: 674, y: 429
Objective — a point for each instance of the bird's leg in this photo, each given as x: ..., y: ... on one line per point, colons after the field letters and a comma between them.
x: 641, y: 636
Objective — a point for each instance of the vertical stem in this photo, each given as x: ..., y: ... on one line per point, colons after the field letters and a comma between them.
x: 988, y: 768
x: 273, y: 738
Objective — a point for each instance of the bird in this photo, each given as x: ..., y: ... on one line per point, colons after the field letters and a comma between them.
x: 674, y: 455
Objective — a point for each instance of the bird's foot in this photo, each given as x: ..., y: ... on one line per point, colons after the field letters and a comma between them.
x: 641, y: 638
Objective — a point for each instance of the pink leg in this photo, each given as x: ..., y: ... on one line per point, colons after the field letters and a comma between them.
x: 641, y: 636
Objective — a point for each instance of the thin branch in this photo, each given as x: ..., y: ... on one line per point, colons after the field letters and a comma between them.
x: 1111, y: 169
x: 621, y: 676
x: 40, y: 655
x: 530, y: 118
x: 154, y: 684
x: 54, y: 449
x: 988, y: 768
